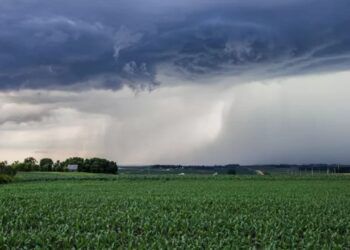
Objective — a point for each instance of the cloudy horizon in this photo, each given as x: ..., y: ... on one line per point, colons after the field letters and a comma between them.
x: 185, y: 82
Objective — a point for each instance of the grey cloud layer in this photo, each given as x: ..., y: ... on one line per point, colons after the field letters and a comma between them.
x: 300, y: 120
x: 105, y: 44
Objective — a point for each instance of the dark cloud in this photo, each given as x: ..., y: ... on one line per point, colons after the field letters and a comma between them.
x: 105, y: 44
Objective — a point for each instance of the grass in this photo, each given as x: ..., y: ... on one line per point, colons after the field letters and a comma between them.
x: 50, y: 176
x: 174, y: 212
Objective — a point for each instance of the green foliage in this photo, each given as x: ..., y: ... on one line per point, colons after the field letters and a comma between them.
x: 4, y: 178
x: 30, y: 161
x: 5, y: 169
x: 94, y: 165
x: 231, y: 172
x: 177, y: 213
x: 55, y: 176
x: 98, y: 165
x: 58, y: 167
x: 74, y: 161
x: 46, y: 164
x: 29, y: 164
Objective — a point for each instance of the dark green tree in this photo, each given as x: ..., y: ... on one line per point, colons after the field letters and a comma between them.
x: 58, y: 167
x: 46, y: 164
x: 75, y: 161
x: 29, y: 164
x: 30, y: 161
x: 99, y: 165
x: 6, y: 169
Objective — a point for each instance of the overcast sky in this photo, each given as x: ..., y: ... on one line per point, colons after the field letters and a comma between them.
x: 189, y: 82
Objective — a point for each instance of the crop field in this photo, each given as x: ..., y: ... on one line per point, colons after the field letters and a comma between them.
x: 176, y: 212
x: 52, y: 176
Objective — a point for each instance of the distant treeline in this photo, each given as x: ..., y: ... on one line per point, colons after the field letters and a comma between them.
x: 93, y: 165
x: 228, y: 169
x: 330, y: 168
x: 204, y: 167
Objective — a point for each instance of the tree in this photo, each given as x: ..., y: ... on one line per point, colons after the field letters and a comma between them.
x: 30, y: 161
x: 99, y: 165
x: 94, y: 165
x: 46, y: 164
x: 6, y: 169
x: 75, y: 161
x: 58, y: 166
x: 17, y: 165
x: 30, y: 164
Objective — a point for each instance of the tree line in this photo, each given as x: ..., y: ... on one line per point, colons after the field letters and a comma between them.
x: 6, y: 173
x: 92, y: 165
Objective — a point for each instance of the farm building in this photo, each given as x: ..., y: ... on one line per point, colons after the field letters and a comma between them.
x: 72, y: 168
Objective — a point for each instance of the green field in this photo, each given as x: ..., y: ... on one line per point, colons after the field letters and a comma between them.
x: 98, y: 211
x: 51, y: 176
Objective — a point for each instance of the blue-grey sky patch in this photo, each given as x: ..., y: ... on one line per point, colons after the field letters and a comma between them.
x: 107, y: 44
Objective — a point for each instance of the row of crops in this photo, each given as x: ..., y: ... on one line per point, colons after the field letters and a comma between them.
x: 176, y: 213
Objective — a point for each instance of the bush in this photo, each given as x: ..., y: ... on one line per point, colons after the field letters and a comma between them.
x: 7, y: 170
x: 5, y: 179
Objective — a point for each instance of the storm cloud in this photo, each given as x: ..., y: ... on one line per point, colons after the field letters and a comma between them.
x: 62, y: 44
x: 295, y: 120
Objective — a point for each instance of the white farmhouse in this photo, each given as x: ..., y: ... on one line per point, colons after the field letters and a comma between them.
x: 72, y: 168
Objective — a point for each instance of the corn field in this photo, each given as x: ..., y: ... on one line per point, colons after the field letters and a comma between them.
x: 176, y: 213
